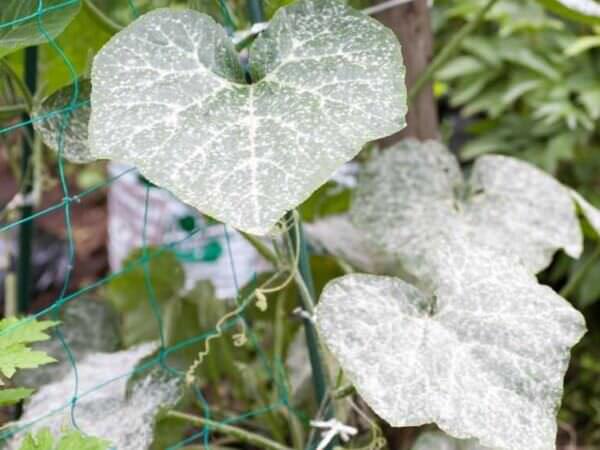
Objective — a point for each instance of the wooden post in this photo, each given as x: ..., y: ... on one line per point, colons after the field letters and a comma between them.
x: 412, y: 24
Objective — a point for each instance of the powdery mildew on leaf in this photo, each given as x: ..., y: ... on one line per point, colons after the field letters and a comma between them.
x: 415, y: 191
x: 482, y: 352
x: 339, y: 237
x: 169, y: 96
x: 126, y: 420
x: 435, y: 440
x: 69, y: 132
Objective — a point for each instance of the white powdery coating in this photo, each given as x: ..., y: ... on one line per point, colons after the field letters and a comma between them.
x: 169, y: 97
x: 339, y: 237
x: 586, y: 7
x: 483, y: 356
x: 413, y: 192
x: 126, y: 421
x: 435, y: 440
x: 69, y: 132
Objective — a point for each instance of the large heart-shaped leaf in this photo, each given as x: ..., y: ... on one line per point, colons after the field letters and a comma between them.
x: 481, y: 352
x: 170, y: 97
x: 22, y: 23
x: 415, y: 191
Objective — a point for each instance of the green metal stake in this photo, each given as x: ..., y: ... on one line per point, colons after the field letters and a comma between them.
x: 312, y: 340
x: 305, y: 284
x: 24, y: 280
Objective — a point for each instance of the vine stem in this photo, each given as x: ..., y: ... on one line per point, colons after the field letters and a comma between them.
x: 104, y: 20
x: 239, y: 433
x: 262, y: 249
x: 574, y: 280
x: 448, y: 51
x: 25, y: 91
x: 307, y: 294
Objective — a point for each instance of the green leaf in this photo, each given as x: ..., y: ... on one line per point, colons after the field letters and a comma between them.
x: 62, y: 121
x: 130, y: 289
x: 586, y: 11
x: 15, y: 335
x: 527, y: 58
x: 460, y: 67
x: 71, y: 440
x: 12, y: 396
x: 80, y: 41
x: 326, y: 80
x: 582, y: 44
x: 22, y: 26
x: 482, y: 48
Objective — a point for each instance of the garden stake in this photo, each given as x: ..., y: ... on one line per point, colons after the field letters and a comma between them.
x: 26, y: 227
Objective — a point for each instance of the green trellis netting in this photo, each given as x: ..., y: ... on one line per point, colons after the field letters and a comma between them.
x: 85, y: 383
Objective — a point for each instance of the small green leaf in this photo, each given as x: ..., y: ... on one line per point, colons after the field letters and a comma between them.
x: 71, y: 440
x: 130, y: 289
x: 22, y: 25
x: 460, y: 67
x: 585, y: 11
x: 15, y: 334
x: 582, y: 44
x: 12, y: 396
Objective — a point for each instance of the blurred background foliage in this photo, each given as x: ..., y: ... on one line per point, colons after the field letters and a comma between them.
x: 526, y: 83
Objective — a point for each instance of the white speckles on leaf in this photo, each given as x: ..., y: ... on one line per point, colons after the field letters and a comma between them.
x: 169, y: 96
x: 482, y: 352
x: 127, y: 419
x: 415, y: 191
x: 64, y: 123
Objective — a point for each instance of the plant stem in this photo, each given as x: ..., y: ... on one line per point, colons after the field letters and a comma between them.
x: 104, y: 20
x: 448, y: 51
x: 261, y: 248
x: 582, y: 270
x: 239, y: 433
x: 304, y: 281
x: 25, y: 91
x: 26, y: 228
x: 12, y: 110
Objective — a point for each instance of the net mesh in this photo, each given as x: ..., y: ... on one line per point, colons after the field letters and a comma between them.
x: 273, y: 368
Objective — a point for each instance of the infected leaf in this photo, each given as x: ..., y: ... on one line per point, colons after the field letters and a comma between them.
x: 62, y: 121
x: 170, y: 97
x: 414, y: 192
x: 125, y: 417
x: 481, y: 350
